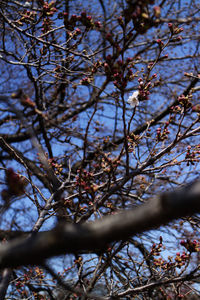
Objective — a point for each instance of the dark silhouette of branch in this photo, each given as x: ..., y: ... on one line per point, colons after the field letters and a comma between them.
x: 96, y: 236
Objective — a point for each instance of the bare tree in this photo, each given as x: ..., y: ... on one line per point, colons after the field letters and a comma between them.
x: 99, y: 149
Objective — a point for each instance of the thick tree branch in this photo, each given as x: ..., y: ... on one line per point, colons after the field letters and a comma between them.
x: 96, y: 236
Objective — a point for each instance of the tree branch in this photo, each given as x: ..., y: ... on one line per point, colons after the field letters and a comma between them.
x: 96, y: 236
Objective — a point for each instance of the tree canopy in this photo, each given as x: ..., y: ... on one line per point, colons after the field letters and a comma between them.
x: 99, y: 149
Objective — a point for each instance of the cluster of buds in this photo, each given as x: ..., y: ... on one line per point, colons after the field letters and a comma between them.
x: 174, y: 32
x: 143, y: 89
x: 156, y: 249
x: 174, y: 29
x: 120, y: 71
x: 83, y: 19
x: 163, y: 264
x: 46, y: 25
x: 129, y: 74
x: 92, y: 70
x: 39, y: 273
x: 160, y: 44
x: 141, y: 18
x: 181, y: 259
x: 132, y: 142
x: 15, y: 185
x: 108, y: 66
x: 190, y: 156
x: 120, y: 81
x: 185, y: 101
x: 52, y: 162
x: 20, y: 287
x: 118, y: 65
x: 191, y: 246
x: 108, y: 164
x: 86, y: 80
x: 57, y: 167
x: 84, y: 180
x: 70, y: 23
x: 95, y: 66
x: 20, y: 283
x: 162, y: 135
x: 160, y: 262
x: 74, y: 33
x: 87, y: 21
x: 49, y: 8
x: 97, y: 24
x: 48, y: 11
x: 27, y: 17
x: 175, y: 109
x: 139, y: 13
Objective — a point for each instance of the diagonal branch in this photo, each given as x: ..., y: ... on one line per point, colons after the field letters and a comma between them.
x: 96, y: 236
x: 18, y: 156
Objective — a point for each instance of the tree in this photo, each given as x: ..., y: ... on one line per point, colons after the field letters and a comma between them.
x: 99, y: 149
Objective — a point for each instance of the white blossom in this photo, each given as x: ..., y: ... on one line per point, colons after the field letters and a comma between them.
x: 27, y: 4
x: 133, y: 99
